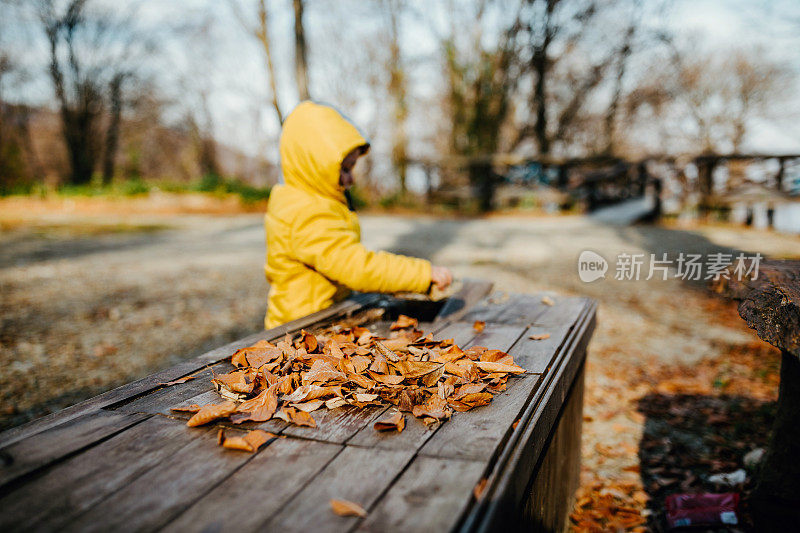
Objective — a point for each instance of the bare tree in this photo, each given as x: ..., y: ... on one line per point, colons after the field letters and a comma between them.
x: 480, y: 83
x: 92, y: 52
x: 398, y: 92
x: 300, y: 51
x: 261, y: 33
x: 722, y: 93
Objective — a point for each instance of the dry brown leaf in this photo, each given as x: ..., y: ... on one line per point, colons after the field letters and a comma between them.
x: 322, y: 371
x: 209, y: 413
x: 333, y: 403
x: 386, y: 352
x: 179, y: 381
x: 539, y: 336
x: 397, y: 345
x: 186, y: 409
x: 393, y: 422
x: 435, y: 407
x: 259, y: 409
x: 404, y: 321
x: 379, y: 364
x: 496, y: 356
x: 250, y: 442
x: 362, y: 381
x: 310, y: 406
x: 239, y: 381
x: 488, y: 366
x: 417, y: 369
x: 546, y: 300
x: 478, y: 326
x: 346, y: 508
x: 313, y: 392
x: 298, y: 418
x: 479, y: 488
x: 363, y: 397
x: 308, y: 341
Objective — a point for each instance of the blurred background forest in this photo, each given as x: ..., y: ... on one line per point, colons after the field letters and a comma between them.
x: 461, y: 100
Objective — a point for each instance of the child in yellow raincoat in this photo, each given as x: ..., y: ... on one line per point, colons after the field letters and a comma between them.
x: 314, y: 250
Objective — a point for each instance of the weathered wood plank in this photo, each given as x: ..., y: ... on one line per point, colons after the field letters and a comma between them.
x: 508, y: 480
x: 462, y: 333
x: 152, y: 382
x: 475, y: 434
x: 489, y: 307
x: 551, y: 496
x: 770, y: 304
x: 32, y: 453
x: 536, y: 355
x: 152, y: 499
x: 563, y: 312
x: 429, y: 496
x: 472, y: 291
x: 481, y: 432
x: 336, y: 425
x: 250, y: 496
x: 162, y: 399
x: 357, y: 474
x: 47, y: 501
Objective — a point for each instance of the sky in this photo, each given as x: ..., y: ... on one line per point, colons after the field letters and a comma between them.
x: 721, y: 23
x: 230, y: 65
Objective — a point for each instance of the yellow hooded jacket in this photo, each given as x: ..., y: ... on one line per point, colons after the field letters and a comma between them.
x: 314, y: 250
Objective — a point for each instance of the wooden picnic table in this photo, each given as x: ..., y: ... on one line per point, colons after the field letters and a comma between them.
x: 770, y: 304
x: 124, y: 461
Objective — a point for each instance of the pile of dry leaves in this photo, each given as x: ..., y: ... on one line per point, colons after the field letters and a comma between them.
x: 349, y: 365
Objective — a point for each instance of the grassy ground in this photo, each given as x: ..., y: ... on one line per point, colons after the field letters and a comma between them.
x: 678, y: 388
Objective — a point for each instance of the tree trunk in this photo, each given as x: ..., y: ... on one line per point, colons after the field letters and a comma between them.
x: 610, y: 119
x: 776, y: 498
x: 540, y: 64
x: 481, y: 176
x: 262, y: 34
x: 300, y: 52
x: 112, y: 133
x: 397, y: 90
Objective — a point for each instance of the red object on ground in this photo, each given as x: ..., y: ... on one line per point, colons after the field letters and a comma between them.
x: 690, y: 510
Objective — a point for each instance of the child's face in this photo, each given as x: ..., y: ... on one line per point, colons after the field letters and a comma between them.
x: 346, y: 172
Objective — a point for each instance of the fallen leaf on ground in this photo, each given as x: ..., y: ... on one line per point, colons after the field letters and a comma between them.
x: 539, y: 336
x: 178, y: 381
x: 478, y: 326
x: 296, y: 417
x: 259, y: 409
x: 479, y: 488
x: 209, y: 413
x: 546, y: 300
x: 345, y: 365
x: 404, y: 321
x: 187, y: 409
x: 250, y: 442
x: 489, y: 366
x: 395, y: 421
x: 346, y: 508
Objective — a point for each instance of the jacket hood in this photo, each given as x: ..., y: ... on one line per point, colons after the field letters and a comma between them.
x: 314, y: 141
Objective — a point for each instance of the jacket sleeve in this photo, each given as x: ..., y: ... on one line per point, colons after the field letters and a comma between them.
x: 327, y: 244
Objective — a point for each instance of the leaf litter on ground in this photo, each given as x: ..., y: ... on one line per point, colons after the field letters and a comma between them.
x: 348, y: 365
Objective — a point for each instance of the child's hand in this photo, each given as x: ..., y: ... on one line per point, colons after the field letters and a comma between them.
x: 441, y: 277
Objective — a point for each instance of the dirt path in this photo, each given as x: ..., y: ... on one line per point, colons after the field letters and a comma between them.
x: 88, y: 304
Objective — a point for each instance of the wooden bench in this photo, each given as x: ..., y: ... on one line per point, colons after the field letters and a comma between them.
x: 770, y: 304
x: 122, y: 461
